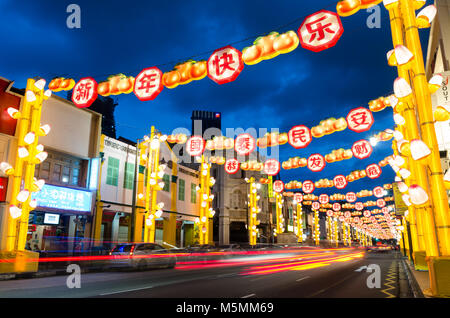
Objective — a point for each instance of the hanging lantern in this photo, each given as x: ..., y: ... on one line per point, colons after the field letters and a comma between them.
x: 434, y: 83
x: 404, y: 173
x: 29, y: 95
x: 23, y: 196
x: 404, y: 147
x: 426, y: 16
x: 419, y: 149
x: 13, y: 113
x: 399, y: 119
x: 14, y: 211
x: 398, y: 135
x: 417, y: 195
x: 442, y: 113
x: 402, y: 187
x: 401, y: 88
x: 23, y: 152
x: 6, y: 168
x: 402, y: 54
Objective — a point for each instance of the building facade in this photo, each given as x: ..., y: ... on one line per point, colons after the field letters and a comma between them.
x: 65, y: 205
x: 438, y: 62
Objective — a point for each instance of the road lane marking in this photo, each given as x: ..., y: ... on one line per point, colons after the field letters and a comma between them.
x: 300, y: 279
x: 390, y: 279
x: 126, y: 290
x: 331, y: 286
x: 248, y: 296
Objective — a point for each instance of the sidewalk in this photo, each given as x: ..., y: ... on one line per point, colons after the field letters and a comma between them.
x: 421, y: 277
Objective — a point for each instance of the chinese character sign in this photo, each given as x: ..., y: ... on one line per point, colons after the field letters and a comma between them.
x: 298, y: 197
x: 347, y: 215
x: 385, y: 210
x: 362, y: 149
x: 359, y: 206
x: 324, y: 199
x: 315, y: 205
x: 195, y: 146
x: 316, y: 162
x: 278, y: 186
x: 373, y: 171
x: 272, y: 167
x: 340, y: 182
x: 308, y: 186
x: 232, y: 166
x: 381, y: 203
x: 320, y: 31
x: 148, y: 84
x: 378, y: 192
x: 366, y: 214
x: 84, y: 92
x: 244, y: 144
x: 350, y: 197
x: 336, y: 206
x: 299, y: 136
x: 225, y: 64
x: 61, y: 198
x: 330, y: 213
x: 359, y: 119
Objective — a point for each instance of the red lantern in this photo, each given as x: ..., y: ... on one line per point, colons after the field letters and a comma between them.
x: 308, y: 186
x: 272, y: 167
x: 278, y: 186
x: 299, y: 136
x: 244, y: 144
x: 336, y: 206
x: 350, y: 196
x: 340, y: 182
x: 324, y: 199
x: 378, y: 192
x: 84, y: 92
x: 320, y: 31
x: 381, y: 203
x: 315, y: 205
x: 362, y: 149
x: 232, y: 166
x: 148, y: 84
x: 225, y: 65
x: 195, y: 146
x: 316, y: 162
x: 359, y: 206
x: 373, y: 171
x: 360, y: 119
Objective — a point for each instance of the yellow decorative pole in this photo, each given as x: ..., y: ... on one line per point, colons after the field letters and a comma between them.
x: 29, y: 153
x: 344, y: 232
x: 438, y: 258
x: 336, y: 232
x: 316, y: 234
x: 299, y: 221
x: 279, y: 208
x: 205, y: 196
x: 421, y: 217
x: 253, y: 210
x: 155, y: 172
x: 329, y: 230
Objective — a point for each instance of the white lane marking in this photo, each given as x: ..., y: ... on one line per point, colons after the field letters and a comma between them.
x: 248, y: 296
x: 126, y: 290
x: 300, y: 279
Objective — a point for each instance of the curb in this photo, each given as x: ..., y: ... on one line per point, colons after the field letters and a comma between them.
x: 413, y: 284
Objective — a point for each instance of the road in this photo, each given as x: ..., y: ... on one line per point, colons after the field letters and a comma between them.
x: 308, y: 273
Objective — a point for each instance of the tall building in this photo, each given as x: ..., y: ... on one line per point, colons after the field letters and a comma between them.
x: 438, y: 62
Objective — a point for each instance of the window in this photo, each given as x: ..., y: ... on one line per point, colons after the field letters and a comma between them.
x: 193, y: 193
x: 56, y: 172
x: 129, y: 176
x: 166, y: 180
x: 65, y: 175
x: 181, y: 190
x: 112, y: 175
x: 75, y: 176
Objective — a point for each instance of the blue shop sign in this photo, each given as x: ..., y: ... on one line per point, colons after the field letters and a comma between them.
x: 61, y: 198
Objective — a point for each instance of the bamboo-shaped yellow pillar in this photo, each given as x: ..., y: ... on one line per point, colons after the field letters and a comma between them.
x: 299, y: 221
x: 336, y: 232
x: 316, y: 227
x: 421, y: 217
x: 279, y: 211
x: 154, y: 173
x: 206, y: 198
x: 253, y: 210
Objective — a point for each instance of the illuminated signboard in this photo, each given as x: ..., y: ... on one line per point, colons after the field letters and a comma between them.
x: 60, y: 198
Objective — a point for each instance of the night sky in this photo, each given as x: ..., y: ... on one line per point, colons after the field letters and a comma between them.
x: 301, y: 87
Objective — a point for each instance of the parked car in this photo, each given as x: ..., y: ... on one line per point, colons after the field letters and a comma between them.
x: 141, y: 256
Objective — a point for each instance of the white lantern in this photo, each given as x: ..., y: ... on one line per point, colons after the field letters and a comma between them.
x: 29, y: 138
x: 426, y: 16
x: 399, y: 119
x: 14, y: 211
x: 42, y: 156
x: 402, y: 54
x: 401, y: 88
x: 23, y: 152
x: 40, y: 84
x: 23, y: 196
x: 417, y: 194
x: 44, y: 129
x: 402, y: 187
x: 158, y: 213
x: 419, y: 149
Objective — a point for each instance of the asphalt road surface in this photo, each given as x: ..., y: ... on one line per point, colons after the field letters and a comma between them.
x: 312, y: 273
